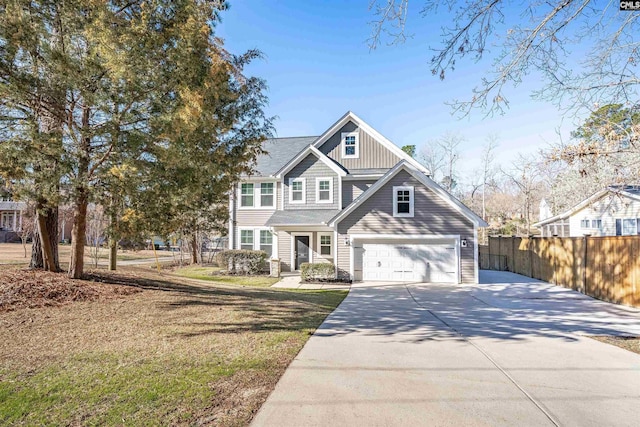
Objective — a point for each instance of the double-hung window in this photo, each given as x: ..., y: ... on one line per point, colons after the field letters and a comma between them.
x: 584, y: 223
x: 403, y: 201
x: 266, y: 194
x: 257, y: 195
x: 246, y: 239
x: 266, y: 242
x: 627, y: 226
x: 324, y: 190
x: 246, y: 195
x: 325, y: 244
x: 350, y: 145
x: 297, y: 190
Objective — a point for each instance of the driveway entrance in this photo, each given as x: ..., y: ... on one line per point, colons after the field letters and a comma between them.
x: 510, y: 351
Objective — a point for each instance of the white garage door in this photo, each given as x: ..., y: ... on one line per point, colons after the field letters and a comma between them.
x: 409, y: 262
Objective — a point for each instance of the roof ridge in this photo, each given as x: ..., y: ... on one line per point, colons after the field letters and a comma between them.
x: 290, y: 137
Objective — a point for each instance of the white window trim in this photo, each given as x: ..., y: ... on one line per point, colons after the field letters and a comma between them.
x: 330, y: 190
x: 257, y: 193
x: 256, y: 239
x: 343, y: 136
x: 395, y: 201
x: 304, y: 191
x: 331, y: 245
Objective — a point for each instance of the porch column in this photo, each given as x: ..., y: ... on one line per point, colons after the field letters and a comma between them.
x: 20, y: 220
x: 15, y: 220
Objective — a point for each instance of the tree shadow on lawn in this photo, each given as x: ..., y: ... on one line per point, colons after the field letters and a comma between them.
x: 262, y: 309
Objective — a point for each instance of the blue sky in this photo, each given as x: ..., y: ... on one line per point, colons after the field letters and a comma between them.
x: 318, y: 66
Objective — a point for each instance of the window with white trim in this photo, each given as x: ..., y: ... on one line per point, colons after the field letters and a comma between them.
x: 325, y: 244
x: 267, y: 194
x: 246, y: 239
x: 296, y: 190
x: 257, y: 195
x: 403, y: 201
x: 350, y: 144
x: 324, y: 190
x: 596, y: 223
x: 630, y: 226
x: 266, y: 242
x: 246, y: 195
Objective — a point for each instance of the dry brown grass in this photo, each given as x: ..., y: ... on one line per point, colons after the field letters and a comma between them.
x: 628, y: 343
x: 180, y: 352
x: 13, y: 253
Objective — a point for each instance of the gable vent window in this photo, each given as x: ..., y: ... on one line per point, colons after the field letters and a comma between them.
x: 403, y: 201
x: 350, y: 145
x: 324, y: 190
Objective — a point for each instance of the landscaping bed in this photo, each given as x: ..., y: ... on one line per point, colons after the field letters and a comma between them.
x: 21, y: 288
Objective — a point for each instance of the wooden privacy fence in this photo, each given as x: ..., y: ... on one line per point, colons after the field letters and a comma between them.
x: 607, y: 268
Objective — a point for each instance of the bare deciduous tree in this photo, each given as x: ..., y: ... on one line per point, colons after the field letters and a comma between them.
x: 538, y: 37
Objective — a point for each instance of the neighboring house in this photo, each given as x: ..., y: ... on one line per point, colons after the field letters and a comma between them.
x: 13, y: 214
x: 614, y: 211
x: 353, y: 198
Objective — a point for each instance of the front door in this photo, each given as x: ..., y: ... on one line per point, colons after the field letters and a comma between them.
x: 301, y: 249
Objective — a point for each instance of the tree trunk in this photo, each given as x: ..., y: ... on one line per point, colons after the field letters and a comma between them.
x: 194, y: 248
x: 45, y: 256
x: 113, y: 254
x: 78, y: 234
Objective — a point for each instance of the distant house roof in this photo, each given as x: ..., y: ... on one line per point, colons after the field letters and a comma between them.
x: 632, y: 191
x: 301, y: 217
x: 279, y: 152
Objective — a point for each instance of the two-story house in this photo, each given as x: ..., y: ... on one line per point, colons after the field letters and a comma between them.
x: 353, y: 198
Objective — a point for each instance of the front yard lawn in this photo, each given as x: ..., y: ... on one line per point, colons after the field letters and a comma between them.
x: 209, y: 273
x: 174, y: 354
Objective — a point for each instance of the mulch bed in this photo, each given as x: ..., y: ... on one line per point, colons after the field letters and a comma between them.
x: 21, y: 288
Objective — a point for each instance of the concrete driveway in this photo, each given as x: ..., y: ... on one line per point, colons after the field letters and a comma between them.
x: 510, y: 351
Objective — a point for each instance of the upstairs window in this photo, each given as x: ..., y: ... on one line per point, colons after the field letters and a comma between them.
x: 324, y: 190
x: 403, y: 201
x: 350, y: 145
x: 296, y: 190
x: 257, y: 195
x: 266, y: 194
x: 246, y: 195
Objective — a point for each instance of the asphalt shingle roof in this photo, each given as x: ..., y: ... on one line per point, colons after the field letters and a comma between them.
x: 279, y: 152
x: 302, y: 217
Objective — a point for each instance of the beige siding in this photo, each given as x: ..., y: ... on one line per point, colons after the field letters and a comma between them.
x: 311, y: 168
x: 372, y: 154
x: 284, y: 250
x: 352, y: 189
x: 343, y: 257
x: 432, y: 215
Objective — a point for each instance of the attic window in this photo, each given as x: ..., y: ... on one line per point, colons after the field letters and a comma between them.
x: 350, y: 145
x: 403, y: 201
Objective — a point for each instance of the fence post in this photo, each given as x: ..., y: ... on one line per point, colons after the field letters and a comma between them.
x: 584, y: 267
x: 513, y: 254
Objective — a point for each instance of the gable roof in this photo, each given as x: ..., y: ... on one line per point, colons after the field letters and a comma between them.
x: 279, y: 152
x: 303, y: 155
x: 630, y: 191
x: 424, y: 179
x: 351, y: 116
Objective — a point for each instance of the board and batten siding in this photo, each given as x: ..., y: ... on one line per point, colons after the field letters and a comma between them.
x: 372, y: 154
x: 432, y: 215
x: 311, y: 168
x: 352, y: 189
